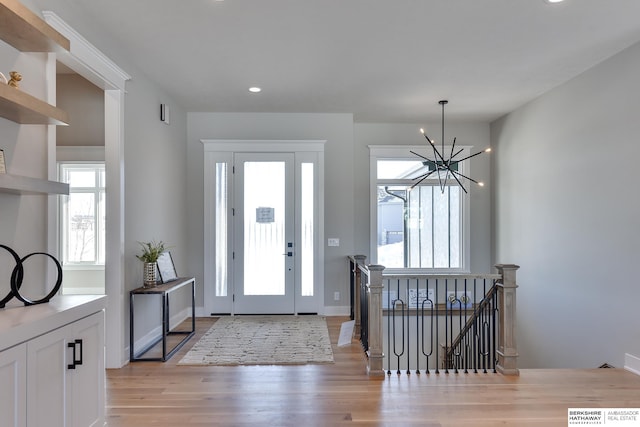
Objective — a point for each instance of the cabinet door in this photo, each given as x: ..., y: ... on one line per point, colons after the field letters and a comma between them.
x: 13, y: 386
x: 46, y: 379
x: 87, y: 381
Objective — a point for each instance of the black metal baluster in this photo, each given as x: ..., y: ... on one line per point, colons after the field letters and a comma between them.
x: 437, y: 340
x: 418, y: 302
x: 405, y: 320
x: 388, y: 353
x: 397, y: 301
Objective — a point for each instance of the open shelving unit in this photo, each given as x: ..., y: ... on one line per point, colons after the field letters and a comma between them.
x: 20, y: 107
x: 27, y: 32
x: 14, y: 184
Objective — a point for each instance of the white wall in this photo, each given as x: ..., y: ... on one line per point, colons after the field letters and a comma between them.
x: 84, y: 102
x: 346, y: 180
x: 336, y: 129
x: 155, y: 183
x: 154, y: 160
x: 476, y: 135
x: 23, y: 218
x: 566, y: 210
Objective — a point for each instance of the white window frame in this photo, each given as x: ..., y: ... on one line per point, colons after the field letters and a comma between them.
x: 403, y: 152
x: 100, y: 194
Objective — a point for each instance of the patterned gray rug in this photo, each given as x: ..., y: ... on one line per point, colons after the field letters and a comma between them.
x: 263, y: 340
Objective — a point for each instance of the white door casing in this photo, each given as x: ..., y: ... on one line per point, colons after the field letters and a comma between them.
x: 86, y: 60
x: 219, y: 242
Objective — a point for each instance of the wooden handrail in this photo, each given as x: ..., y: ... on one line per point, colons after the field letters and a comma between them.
x: 472, y: 320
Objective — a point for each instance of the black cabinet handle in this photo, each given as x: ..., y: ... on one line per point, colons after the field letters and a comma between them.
x: 74, y: 360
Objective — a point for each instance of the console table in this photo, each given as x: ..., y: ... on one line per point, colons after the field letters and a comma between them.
x: 163, y: 290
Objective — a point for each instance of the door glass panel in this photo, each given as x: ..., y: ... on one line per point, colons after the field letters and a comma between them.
x: 306, y: 245
x: 264, y: 228
x: 221, y: 246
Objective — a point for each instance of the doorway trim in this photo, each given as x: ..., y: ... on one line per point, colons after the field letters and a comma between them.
x: 214, y: 149
x: 86, y: 60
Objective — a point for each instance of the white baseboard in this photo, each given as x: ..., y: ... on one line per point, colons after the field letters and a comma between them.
x: 632, y: 363
x: 201, y: 312
x: 337, y: 310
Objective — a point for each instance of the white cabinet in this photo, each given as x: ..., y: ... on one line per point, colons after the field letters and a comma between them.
x: 52, y: 364
x: 86, y: 381
x: 13, y: 386
x: 46, y: 379
x: 65, y: 375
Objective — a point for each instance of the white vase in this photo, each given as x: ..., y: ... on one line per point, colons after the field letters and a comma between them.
x: 150, y: 274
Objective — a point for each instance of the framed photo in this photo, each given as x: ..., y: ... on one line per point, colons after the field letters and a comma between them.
x: 166, y: 268
x: 3, y: 167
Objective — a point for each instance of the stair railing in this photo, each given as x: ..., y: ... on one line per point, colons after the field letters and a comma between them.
x: 430, y: 323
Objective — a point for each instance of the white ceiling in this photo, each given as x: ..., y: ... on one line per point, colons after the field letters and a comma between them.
x: 383, y: 61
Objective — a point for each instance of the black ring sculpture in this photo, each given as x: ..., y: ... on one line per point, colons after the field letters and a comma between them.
x: 17, y: 277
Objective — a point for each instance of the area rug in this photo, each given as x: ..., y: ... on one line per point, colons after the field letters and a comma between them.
x: 263, y: 340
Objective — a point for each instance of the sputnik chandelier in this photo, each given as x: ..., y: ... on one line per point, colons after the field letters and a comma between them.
x: 445, y: 169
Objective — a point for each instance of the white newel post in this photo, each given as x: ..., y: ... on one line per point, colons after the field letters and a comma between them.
x: 376, y: 284
x: 507, y: 347
x: 357, y: 286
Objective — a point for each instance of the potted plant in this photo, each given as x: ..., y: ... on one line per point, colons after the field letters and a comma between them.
x: 150, y: 253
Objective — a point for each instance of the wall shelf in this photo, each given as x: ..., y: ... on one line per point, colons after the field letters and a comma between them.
x: 26, y: 109
x: 14, y: 184
x: 26, y: 31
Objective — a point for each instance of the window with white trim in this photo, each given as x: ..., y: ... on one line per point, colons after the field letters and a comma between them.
x: 419, y: 224
x: 82, y: 214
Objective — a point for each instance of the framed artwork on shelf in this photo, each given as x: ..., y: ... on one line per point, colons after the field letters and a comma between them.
x: 166, y: 268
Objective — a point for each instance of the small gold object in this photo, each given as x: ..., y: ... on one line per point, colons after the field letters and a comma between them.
x: 15, y: 79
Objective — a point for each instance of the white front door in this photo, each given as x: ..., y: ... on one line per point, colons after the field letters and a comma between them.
x: 264, y: 237
x: 263, y: 227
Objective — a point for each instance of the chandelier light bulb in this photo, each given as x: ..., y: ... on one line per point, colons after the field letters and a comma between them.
x: 481, y: 184
x: 488, y: 150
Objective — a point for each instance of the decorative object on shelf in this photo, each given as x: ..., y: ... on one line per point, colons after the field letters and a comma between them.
x: 3, y: 166
x: 16, y: 77
x: 445, y: 168
x: 17, y: 277
x: 151, y: 251
x: 166, y: 268
x: 3, y: 79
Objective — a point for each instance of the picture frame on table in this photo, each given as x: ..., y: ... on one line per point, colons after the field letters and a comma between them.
x: 166, y: 268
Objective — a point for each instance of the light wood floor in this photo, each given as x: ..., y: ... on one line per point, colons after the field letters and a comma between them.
x: 164, y: 394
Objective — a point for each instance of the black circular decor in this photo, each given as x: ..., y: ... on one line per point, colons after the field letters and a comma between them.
x: 10, y: 295
x: 17, y: 277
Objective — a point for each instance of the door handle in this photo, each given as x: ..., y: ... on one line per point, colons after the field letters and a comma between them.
x: 75, y: 361
x: 288, y: 254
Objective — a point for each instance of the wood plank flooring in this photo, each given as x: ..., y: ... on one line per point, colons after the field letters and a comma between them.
x: 163, y: 394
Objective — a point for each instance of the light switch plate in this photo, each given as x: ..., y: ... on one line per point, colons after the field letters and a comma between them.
x: 333, y: 242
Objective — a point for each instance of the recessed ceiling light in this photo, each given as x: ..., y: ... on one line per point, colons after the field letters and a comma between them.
x: 254, y: 89
x: 554, y: 1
